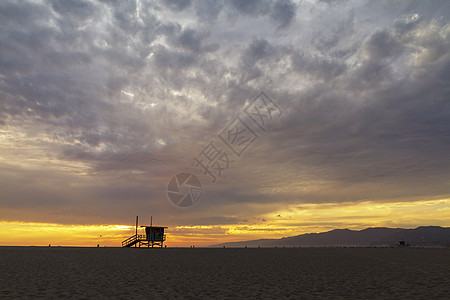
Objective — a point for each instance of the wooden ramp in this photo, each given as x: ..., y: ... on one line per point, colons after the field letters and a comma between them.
x: 131, y: 241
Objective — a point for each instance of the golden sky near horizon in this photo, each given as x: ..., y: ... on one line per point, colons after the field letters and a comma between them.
x: 101, y: 104
x: 285, y: 224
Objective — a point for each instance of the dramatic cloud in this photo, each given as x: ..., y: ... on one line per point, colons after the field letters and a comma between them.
x: 102, y: 102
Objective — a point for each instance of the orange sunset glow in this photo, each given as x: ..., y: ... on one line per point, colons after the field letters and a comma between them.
x: 289, y: 222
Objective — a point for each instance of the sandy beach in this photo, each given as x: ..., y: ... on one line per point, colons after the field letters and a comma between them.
x: 205, y: 273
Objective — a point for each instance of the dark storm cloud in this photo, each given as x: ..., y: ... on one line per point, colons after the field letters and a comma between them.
x: 79, y: 9
x: 382, y: 45
x: 283, y: 12
x: 382, y: 129
x: 126, y: 92
x: 208, y: 10
x: 316, y: 67
x: 327, y: 38
x: 251, y: 7
x: 192, y: 40
x: 177, y: 5
x: 258, y: 50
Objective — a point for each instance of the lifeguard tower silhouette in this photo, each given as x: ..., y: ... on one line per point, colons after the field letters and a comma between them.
x: 154, y: 236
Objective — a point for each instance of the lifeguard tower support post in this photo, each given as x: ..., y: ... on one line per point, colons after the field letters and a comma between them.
x: 154, y: 236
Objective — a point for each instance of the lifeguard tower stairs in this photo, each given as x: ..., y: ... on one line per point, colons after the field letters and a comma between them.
x: 154, y: 236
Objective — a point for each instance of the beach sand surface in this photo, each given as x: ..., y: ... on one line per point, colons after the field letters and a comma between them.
x: 211, y: 273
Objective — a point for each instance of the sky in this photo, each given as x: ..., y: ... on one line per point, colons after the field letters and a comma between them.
x: 103, y: 102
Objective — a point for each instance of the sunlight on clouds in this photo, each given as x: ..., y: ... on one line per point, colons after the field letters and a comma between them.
x: 24, y: 152
x: 189, y: 102
x: 161, y: 142
x: 292, y: 221
x: 153, y: 104
x: 316, y: 218
x: 430, y: 42
x: 306, y: 217
x: 127, y: 93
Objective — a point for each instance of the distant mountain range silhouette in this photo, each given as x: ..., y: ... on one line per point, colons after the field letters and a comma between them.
x: 379, y: 236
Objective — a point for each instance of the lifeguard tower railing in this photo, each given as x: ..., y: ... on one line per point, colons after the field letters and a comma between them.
x: 143, y: 239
